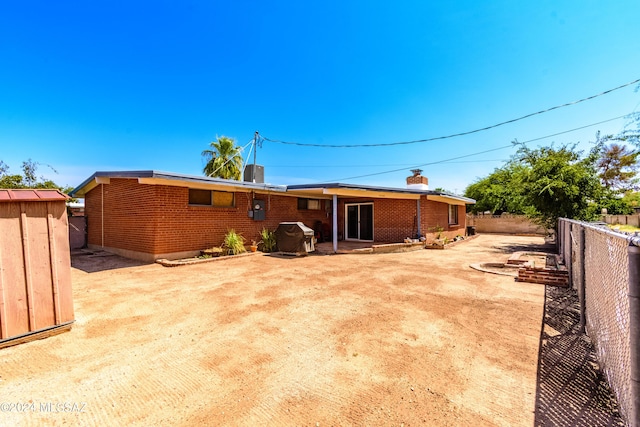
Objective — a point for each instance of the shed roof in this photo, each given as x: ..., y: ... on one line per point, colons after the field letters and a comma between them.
x: 29, y: 195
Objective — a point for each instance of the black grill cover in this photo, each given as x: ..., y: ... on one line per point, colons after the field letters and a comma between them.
x: 292, y: 236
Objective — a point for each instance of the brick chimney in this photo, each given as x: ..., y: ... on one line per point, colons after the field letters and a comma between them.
x: 417, y: 181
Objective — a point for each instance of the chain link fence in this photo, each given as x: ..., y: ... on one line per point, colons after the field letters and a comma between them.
x: 598, y: 263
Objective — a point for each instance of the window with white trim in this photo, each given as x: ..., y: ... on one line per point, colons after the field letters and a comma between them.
x: 453, y: 214
x: 220, y: 199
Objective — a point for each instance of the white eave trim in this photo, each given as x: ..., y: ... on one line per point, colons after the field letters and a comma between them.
x: 350, y: 192
x: 445, y: 199
x: 211, y: 185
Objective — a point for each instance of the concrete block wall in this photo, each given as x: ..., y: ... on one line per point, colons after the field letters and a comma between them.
x: 633, y: 220
x: 504, y: 224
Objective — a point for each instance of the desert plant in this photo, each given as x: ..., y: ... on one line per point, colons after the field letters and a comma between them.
x: 234, y: 243
x: 438, y: 229
x: 268, y: 240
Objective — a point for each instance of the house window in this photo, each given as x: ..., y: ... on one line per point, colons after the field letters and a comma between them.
x: 308, y: 204
x: 453, y: 214
x: 199, y: 197
x: 221, y: 199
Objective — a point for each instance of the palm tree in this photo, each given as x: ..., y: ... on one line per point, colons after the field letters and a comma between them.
x: 223, y: 159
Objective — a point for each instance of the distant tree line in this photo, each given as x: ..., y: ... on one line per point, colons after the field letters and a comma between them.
x: 28, y: 178
x: 551, y: 182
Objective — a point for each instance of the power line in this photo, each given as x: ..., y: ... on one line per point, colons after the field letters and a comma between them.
x: 316, y: 166
x: 478, y: 153
x: 455, y: 134
x: 424, y: 164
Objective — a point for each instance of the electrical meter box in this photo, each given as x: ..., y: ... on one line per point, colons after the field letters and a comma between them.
x: 258, y: 210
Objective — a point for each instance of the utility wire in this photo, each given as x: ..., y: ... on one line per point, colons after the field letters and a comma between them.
x: 455, y: 134
x: 424, y: 164
x: 480, y: 152
x: 317, y: 166
x: 446, y: 161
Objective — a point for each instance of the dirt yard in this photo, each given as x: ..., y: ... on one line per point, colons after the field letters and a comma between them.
x: 415, y: 338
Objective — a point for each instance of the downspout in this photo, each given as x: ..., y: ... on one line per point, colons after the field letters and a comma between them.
x: 102, y: 215
x: 335, y: 223
x: 418, y: 222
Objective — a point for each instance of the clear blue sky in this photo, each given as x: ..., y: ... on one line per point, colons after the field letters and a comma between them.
x: 129, y: 85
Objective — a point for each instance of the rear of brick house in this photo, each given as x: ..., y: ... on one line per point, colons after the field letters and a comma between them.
x: 149, y: 215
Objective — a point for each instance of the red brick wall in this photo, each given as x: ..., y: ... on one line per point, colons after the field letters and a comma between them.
x: 129, y: 215
x: 436, y: 214
x: 394, y: 219
x: 182, y: 227
x: 157, y: 219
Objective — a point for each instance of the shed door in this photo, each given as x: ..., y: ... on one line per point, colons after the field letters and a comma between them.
x: 359, y: 221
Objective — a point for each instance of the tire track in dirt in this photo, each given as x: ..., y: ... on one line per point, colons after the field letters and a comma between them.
x: 338, y: 340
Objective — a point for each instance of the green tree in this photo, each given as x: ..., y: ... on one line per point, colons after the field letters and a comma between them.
x: 618, y: 167
x: 28, y: 178
x: 223, y: 159
x: 614, y: 203
x: 560, y: 183
x: 499, y: 192
x: 630, y: 134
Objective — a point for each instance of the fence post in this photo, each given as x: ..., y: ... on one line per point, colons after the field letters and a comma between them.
x: 583, y: 277
x: 634, y: 332
x: 569, y: 251
x: 559, y: 236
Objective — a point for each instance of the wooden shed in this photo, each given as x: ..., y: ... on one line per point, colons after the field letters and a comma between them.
x: 35, y: 265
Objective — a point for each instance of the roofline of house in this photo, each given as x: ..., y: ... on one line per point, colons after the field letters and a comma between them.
x: 171, y: 176
x: 162, y: 177
x: 380, y: 189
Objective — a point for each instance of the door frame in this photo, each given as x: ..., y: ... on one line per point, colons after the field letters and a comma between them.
x: 346, y: 221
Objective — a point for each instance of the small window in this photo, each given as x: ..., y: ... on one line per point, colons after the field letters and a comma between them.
x: 453, y: 214
x: 199, y: 197
x: 223, y: 199
x: 310, y: 204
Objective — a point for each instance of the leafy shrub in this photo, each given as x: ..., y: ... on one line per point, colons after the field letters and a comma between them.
x: 234, y: 243
x: 268, y: 240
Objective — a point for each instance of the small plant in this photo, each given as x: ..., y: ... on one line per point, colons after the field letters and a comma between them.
x: 268, y: 240
x: 438, y: 231
x: 234, y: 243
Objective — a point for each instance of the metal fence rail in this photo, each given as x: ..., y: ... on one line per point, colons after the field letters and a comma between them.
x: 601, y: 266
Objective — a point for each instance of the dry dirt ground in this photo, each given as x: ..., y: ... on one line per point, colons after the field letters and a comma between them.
x: 414, y: 338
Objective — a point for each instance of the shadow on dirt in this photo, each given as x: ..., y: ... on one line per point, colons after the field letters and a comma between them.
x: 94, y: 261
x: 533, y: 247
x: 571, y: 389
